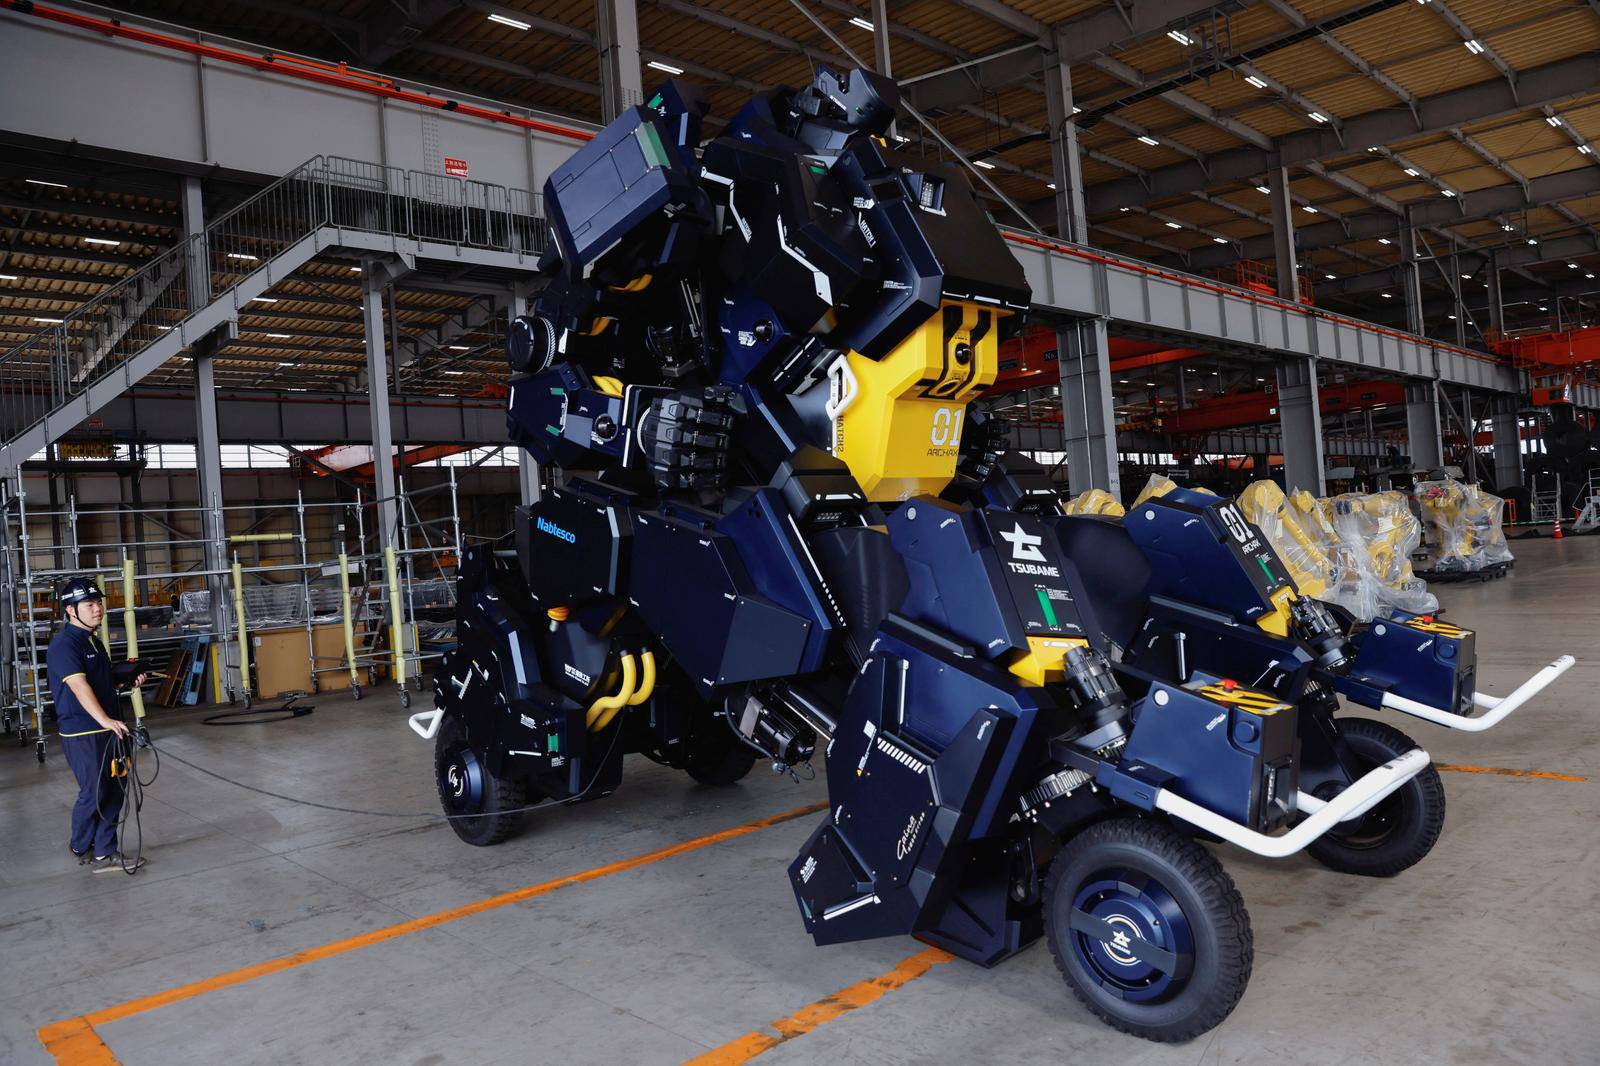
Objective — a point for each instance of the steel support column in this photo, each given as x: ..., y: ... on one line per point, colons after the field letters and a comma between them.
x: 621, y: 84
x: 1300, y: 422
x: 1066, y: 164
x: 880, y: 42
x: 1411, y: 279
x: 1088, y: 413
x: 1506, y: 424
x: 207, y: 436
x: 1286, y: 267
x: 1422, y: 426
x: 373, y: 282
x: 1497, y: 308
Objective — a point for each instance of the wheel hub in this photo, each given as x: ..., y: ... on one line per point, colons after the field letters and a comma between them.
x: 1129, y: 914
x: 461, y: 782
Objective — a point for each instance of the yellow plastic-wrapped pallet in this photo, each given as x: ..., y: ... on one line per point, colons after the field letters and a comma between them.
x: 1302, y: 552
x: 1382, y: 533
x: 1094, y: 501
x: 1462, y: 526
x: 1160, y: 485
x: 1323, y: 567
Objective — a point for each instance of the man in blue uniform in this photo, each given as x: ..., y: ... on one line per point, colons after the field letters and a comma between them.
x: 90, y: 724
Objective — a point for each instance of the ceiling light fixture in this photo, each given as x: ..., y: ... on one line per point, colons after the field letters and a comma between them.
x: 1263, y: 190
x: 1554, y: 120
x: 984, y: 165
x: 101, y: 241
x: 1257, y: 82
x: 1220, y: 240
x: 1412, y: 171
x: 266, y: 299
x: 1384, y: 240
x: 279, y: 336
x: 666, y: 67
x: 50, y: 321
x: 1474, y: 47
x: 459, y: 348
x: 1584, y: 149
x: 48, y: 184
x: 1148, y: 140
x: 1174, y: 225
x: 863, y: 24
x: 507, y: 20
x: 242, y: 255
x: 1316, y: 116
x: 1180, y: 37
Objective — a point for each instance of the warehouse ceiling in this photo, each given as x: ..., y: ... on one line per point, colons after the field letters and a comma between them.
x: 1472, y: 118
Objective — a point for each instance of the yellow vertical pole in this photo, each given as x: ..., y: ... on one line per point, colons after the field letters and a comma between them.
x: 105, y: 616
x: 238, y: 613
x: 344, y: 611
x: 216, y: 671
x: 130, y: 624
x: 395, y: 617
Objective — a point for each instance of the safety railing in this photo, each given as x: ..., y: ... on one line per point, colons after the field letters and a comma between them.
x: 61, y: 361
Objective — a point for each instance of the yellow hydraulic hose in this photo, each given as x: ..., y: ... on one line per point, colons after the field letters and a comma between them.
x: 606, y: 706
x: 647, y: 685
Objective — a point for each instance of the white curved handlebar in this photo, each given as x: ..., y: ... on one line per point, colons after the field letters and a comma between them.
x: 1498, y: 707
x: 1373, y: 787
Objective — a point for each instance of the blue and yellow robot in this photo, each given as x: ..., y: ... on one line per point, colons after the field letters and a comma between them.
x: 771, y: 519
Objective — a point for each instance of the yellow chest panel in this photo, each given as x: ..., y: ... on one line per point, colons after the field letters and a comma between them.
x: 900, y: 418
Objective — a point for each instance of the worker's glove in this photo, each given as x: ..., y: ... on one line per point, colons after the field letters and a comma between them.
x: 684, y: 436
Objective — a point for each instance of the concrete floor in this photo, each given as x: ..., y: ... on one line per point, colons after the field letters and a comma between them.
x: 1484, y: 953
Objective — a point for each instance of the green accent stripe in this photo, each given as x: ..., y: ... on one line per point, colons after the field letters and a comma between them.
x: 1265, y: 569
x: 1049, y: 611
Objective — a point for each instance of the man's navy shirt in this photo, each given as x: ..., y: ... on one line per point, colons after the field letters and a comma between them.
x: 79, y: 651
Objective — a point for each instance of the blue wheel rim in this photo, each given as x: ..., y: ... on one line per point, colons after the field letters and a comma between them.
x: 461, y: 782
x: 1121, y: 908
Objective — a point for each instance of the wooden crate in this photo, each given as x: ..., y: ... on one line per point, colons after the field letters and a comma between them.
x: 282, y: 664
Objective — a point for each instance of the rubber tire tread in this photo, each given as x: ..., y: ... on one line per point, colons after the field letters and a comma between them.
x: 1378, y: 742
x: 499, y: 794
x: 717, y: 759
x: 1222, y: 905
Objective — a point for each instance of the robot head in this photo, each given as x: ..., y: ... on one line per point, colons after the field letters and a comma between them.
x: 834, y: 106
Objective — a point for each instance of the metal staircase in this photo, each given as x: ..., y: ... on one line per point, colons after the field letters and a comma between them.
x: 60, y: 376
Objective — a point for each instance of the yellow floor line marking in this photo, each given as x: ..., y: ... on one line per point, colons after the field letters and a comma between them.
x: 75, y: 1043
x: 743, y: 1049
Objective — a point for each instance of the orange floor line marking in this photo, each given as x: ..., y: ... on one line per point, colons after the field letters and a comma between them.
x: 80, y: 1030
x: 75, y: 1043
x: 1508, y: 773
x: 743, y: 1049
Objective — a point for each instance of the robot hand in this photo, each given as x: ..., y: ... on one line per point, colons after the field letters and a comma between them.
x: 684, y: 436
x: 985, y: 438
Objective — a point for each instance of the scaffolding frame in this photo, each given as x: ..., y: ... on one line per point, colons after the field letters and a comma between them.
x: 434, y: 544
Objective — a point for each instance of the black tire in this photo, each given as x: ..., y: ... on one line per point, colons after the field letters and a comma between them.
x: 1398, y: 832
x: 470, y: 793
x: 1150, y: 869
x: 717, y: 757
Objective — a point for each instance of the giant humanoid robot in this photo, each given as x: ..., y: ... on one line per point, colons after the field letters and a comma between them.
x: 771, y: 517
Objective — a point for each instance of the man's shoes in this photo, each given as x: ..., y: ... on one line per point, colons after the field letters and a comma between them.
x: 114, y: 861
x: 83, y: 857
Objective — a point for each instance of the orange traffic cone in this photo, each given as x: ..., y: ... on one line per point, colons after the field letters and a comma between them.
x: 1557, y: 534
